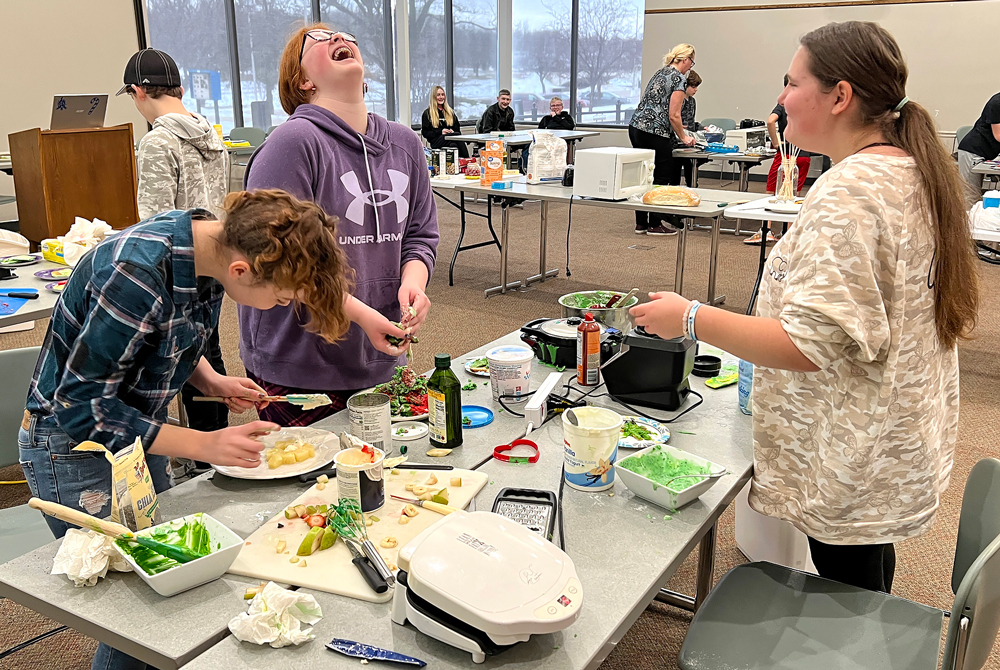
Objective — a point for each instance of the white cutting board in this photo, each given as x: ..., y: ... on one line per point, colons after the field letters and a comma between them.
x: 331, y: 570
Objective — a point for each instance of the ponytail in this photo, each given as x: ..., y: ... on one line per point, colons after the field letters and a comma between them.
x: 678, y: 53
x: 867, y: 57
x: 955, y: 281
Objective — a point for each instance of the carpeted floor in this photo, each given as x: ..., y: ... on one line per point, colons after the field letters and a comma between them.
x: 605, y: 254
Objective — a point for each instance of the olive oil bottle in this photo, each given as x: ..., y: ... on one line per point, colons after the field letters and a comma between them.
x: 444, y: 405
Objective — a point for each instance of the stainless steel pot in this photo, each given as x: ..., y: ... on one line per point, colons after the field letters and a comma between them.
x: 616, y: 317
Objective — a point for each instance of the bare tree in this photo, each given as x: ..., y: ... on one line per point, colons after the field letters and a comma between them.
x: 544, y: 53
x: 604, y: 33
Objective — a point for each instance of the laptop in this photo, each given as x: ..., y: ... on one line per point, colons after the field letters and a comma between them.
x: 70, y: 112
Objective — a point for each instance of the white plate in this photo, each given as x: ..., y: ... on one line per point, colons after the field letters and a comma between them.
x: 327, y: 445
x: 412, y: 430
x: 783, y: 207
x: 468, y: 368
x: 659, y: 434
x: 400, y: 419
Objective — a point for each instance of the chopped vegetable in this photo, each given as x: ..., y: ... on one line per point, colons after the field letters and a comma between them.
x: 466, y: 421
x: 407, y: 393
x: 632, y: 429
x: 593, y: 300
x: 480, y: 365
x: 398, y: 341
x: 659, y: 467
x: 471, y: 386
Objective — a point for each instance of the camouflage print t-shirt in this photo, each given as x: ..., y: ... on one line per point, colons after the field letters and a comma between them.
x: 860, y: 451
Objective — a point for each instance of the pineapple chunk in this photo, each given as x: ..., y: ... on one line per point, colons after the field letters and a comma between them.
x: 288, y: 458
x: 274, y: 461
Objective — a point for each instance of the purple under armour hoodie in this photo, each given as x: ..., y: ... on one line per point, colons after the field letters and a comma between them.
x: 380, y: 189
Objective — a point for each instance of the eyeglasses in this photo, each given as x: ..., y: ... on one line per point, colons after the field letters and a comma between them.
x: 325, y: 36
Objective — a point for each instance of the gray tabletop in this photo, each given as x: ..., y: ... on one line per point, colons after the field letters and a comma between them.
x: 987, y: 168
x: 622, y: 565
x: 755, y: 211
x: 742, y: 158
x: 32, y: 310
x: 125, y: 613
x: 521, y: 136
x: 7, y: 167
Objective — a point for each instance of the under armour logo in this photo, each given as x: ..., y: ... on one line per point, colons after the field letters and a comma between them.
x: 356, y: 210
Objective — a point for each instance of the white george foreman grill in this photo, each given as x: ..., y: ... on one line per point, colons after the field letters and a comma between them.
x: 482, y: 582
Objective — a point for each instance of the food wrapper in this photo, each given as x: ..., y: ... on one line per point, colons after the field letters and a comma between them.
x: 547, y: 158
x: 276, y: 616
x: 491, y: 162
x: 133, y: 499
x: 85, y: 556
x: 83, y: 236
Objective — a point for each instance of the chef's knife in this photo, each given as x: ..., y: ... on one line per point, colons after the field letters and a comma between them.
x: 332, y: 472
x: 19, y: 294
x: 367, y: 651
x: 371, y: 575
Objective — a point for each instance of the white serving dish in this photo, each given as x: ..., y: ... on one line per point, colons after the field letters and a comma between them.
x: 659, y: 494
x: 199, y: 571
x: 326, y: 443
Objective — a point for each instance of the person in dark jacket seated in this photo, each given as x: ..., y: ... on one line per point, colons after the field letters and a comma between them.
x: 558, y: 118
x: 440, y: 120
x: 498, y: 116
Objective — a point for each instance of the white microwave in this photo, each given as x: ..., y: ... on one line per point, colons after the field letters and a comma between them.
x: 612, y: 173
x: 747, y: 138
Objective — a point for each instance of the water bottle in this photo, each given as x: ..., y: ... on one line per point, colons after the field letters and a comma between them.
x: 745, y: 385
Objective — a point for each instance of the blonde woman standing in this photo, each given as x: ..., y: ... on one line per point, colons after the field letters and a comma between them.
x: 440, y: 120
x: 657, y: 125
x: 859, y: 315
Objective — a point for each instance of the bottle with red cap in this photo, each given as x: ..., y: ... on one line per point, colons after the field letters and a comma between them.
x: 588, y: 352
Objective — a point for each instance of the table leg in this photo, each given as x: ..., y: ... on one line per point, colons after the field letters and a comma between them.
x: 543, y: 235
x: 765, y: 228
x: 681, y: 247
x: 571, y: 152
x: 744, y: 177
x: 694, y: 173
x: 703, y: 582
x: 461, y: 236
x: 504, y: 248
x: 713, y: 262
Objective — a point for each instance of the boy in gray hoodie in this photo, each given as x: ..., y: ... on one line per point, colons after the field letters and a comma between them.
x: 182, y: 162
x: 182, y: 165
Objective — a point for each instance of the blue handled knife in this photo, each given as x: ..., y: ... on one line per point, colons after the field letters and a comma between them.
x: 366, y: 651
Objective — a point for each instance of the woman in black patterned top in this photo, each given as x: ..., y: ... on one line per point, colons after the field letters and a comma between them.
x: 657, y: 125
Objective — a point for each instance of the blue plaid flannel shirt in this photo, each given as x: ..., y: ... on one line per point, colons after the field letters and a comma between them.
x: 126, y: 334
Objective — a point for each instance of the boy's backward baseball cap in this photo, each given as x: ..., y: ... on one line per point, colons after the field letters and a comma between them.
x: 150, y: 67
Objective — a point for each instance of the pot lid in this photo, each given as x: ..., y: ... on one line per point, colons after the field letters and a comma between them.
x: 564, y: 328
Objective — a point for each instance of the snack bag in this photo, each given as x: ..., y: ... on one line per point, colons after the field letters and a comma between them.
x: 133, y: 499
x: 491, y: 162
x: 547, y: 158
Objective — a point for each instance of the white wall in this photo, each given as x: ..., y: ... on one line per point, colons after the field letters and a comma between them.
x: 743, y: 54
x: 62, y: 46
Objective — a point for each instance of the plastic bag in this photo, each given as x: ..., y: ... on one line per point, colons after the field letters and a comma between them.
x: 546, y: 158
x: 984, y: 218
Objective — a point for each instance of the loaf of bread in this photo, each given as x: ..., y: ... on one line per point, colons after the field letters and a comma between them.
x: 672, y: 196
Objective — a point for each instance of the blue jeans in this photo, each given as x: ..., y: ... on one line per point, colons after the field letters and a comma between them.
x: 81, y: 480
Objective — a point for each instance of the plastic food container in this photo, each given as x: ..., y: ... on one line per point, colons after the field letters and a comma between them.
x: 510, y: 370
x: 197, y: 572
x: 991, y: 199
x: 590, y: 448
x: 661, y: 495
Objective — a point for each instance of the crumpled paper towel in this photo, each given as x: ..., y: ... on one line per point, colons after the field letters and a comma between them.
x: 276, y: 616
x: 83, y: 235
x: 86, y: 556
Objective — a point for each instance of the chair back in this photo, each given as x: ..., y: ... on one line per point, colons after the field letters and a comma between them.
x: 725, y: 124
x: 960, y: 134
x: 975, y: 613
x: 255, y: 136
x: 268, y: 131
x: 18, y: 366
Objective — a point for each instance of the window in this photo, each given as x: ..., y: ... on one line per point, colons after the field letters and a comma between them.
x: 609, y: 60
x: 541, y: 48
x: 428, y: 60
x: 363, y: 19
x: 476, y: 82
x: 262, y: 30
x: 193, y: 32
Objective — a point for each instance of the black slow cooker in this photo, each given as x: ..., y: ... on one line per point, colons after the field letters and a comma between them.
x: 554, y: 340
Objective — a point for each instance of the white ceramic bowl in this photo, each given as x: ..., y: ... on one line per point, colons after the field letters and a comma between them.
x: 199, y: 571
x: 659, y: 494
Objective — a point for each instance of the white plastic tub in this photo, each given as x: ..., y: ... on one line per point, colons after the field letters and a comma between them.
x: 661, y: 495
x: 199, y: 571
x: 510, y: 371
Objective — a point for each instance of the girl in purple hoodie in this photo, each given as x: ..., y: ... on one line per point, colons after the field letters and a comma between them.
x: 370, y: 173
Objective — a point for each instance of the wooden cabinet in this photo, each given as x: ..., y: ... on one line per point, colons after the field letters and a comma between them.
x: 62, y: 174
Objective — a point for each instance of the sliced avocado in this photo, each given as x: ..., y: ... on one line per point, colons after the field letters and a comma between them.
x: 311, y: 542
x: 329, y: 537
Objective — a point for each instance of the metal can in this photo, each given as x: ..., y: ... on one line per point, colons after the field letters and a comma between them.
x: 371, y: 419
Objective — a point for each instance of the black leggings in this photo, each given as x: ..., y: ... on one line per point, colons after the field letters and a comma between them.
x: 867, y: 566
x: 666, y: 172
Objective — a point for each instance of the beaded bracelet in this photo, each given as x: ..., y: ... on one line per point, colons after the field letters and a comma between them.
x: 684, y: 318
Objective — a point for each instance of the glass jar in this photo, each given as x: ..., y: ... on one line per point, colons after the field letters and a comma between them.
x: 787, y: 186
